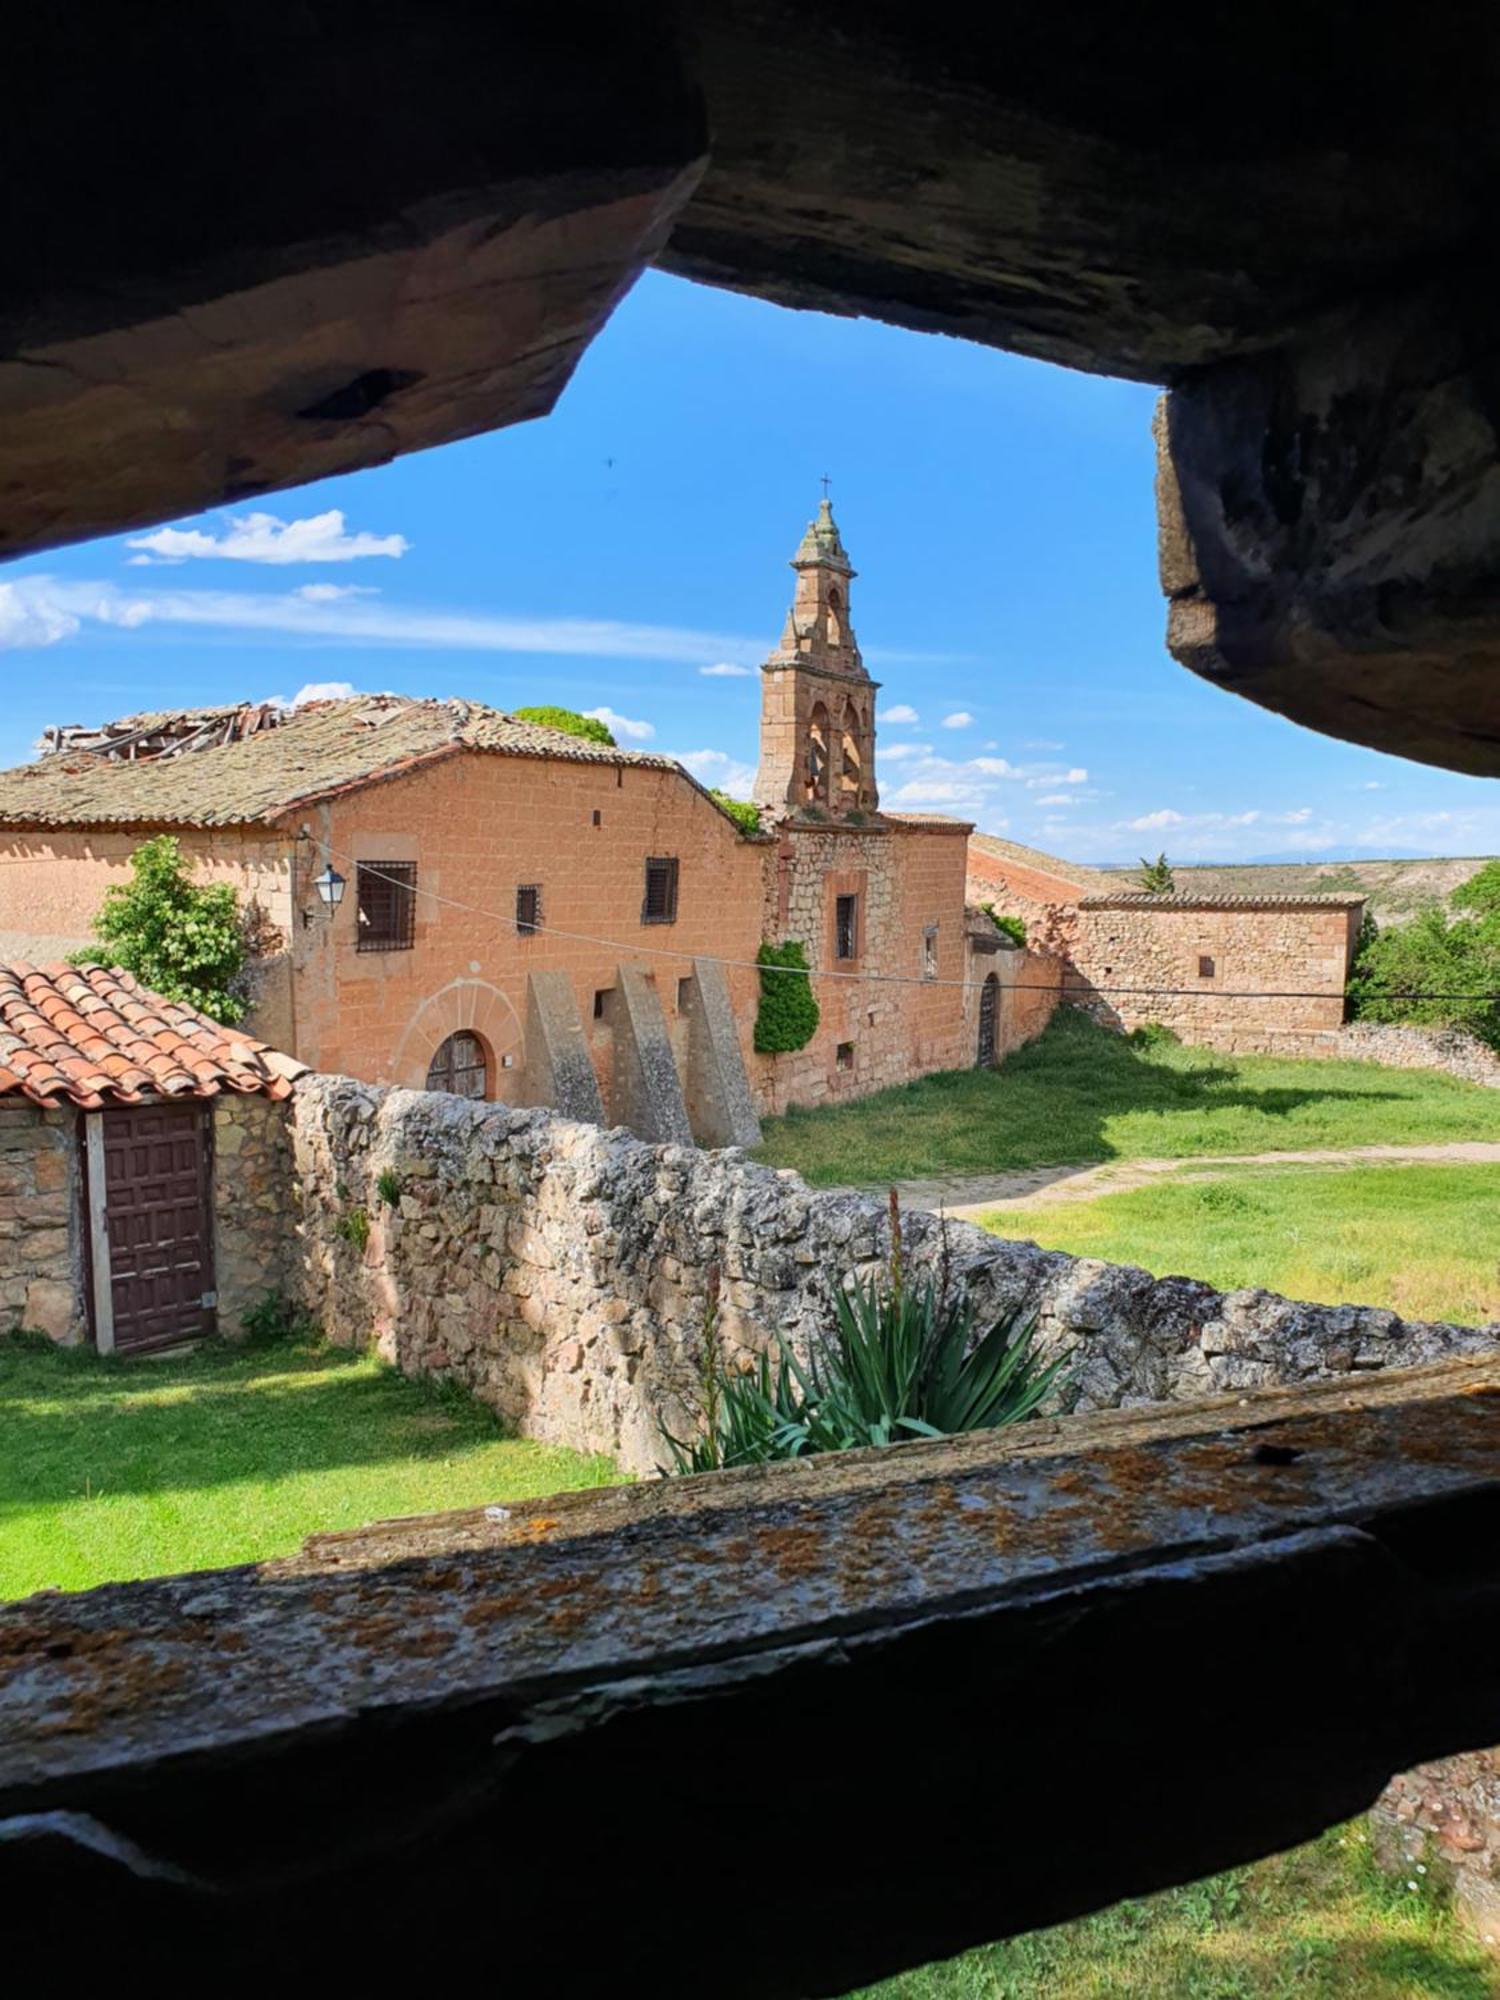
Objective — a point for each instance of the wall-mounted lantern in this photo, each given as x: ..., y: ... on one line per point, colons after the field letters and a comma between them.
x: 330, y: 886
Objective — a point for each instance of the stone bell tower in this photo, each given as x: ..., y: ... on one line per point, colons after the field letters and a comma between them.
x: 817, y: 705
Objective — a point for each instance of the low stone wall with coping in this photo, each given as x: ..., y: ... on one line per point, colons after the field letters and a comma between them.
x: 559, y: 1272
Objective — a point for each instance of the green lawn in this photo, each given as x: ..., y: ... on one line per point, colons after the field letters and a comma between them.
x: 1424, y: 1240
x: 1081, y: 1093
x: 1320, y: 1923
x: 118, y: 1469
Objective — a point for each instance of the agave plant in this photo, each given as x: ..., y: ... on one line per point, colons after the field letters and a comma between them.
x: 903, y: 1360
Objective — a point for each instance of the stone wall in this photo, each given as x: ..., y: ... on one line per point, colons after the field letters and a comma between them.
x: 1447, y: 1815
x: 255, y: 1205
x: 893, y: 1024
x: 1396, y: 1047
x: 559, y: 1272
x: 41, y: 1249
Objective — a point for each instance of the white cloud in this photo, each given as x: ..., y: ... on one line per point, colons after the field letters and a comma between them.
x: 622, y: 725
x: 959, y: 719
x: 1057, y: 799
x: 719, y: 771
x: 1077, y: 776
x: 900, y: 712
x: 726, y: 670
x: 330, y: 593
x: 1042, y: 743
x: 994, y: 767
x: 1155, y: 822
x: 40, y: 610
x: 895, y: 753
x: 29, y: 619
x: 922, y: 791
x: 266, y: 538
x: 323, y: 691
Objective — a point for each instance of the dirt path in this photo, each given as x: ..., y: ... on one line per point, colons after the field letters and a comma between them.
x: 972, y: 1195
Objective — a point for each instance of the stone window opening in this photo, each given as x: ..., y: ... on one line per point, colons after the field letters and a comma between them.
x: 659, y: 904
x: 846, y: 927
x: 598, y: 817
x: 460, y: 1066
x: 816, y: 779
x: 604, y: 1004
x: 385, y: 905
x: 528, y: 909
x: 929, y: 952
x: 835, y: 625
x: 684, y: 994
x: 851, y: 759
x: 843, y: 1055
x: 1205, y: 967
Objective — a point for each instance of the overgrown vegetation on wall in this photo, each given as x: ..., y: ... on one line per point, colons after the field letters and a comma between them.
x: 569, y: 721
x: 788, y: 1016
x: 1440, y: 969
x: 745, y: 816
x: 1008, y: 926
x: 183, y: 939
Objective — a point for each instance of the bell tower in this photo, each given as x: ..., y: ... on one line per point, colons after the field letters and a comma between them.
x: 817, y: 704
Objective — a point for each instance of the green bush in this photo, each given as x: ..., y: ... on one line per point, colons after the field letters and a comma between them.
x: 1439, y: 969
x: 183, y: 940
x: 569, y: 721
x: 1154, y: 1035
x: 903, y: 1361
x: 1009, y: 926
x: 787, y: 1017
x: 388, y: 1186
x: 745, y: 816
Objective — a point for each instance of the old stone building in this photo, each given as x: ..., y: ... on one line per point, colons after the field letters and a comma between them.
x: 448, y: 896
x: 1233, y: 972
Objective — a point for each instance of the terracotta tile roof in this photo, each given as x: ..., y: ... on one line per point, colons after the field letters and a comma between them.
x: 90, y: 1035
x: 1141, y: 899
x: 322, y: 748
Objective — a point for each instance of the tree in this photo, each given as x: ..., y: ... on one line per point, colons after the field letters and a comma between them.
x: 1157, y: 878
x: 745, y: 816
x: 183, y: 940
x: 570, y: 722
x: 1438, y: 969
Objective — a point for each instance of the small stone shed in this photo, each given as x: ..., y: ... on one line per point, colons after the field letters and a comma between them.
x: 145, y: 1162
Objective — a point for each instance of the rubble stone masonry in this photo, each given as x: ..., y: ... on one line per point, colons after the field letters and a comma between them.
x: 41, y: 1245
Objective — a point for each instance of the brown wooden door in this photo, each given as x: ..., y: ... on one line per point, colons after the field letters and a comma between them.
x: 160, y: 1231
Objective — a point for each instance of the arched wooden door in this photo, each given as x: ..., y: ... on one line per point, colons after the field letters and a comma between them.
x: 989, y: 1000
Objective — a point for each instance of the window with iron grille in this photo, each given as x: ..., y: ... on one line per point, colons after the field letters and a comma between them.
x: 846, y: 927
x: 459, y: 1065
x: 529, y: 909
x: 659, y: 905
x: 385, y: 901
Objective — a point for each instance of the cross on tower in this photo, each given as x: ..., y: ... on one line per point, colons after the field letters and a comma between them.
x: 826, y: 484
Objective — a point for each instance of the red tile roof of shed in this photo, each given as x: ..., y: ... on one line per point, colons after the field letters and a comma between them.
x: 91, y: 1035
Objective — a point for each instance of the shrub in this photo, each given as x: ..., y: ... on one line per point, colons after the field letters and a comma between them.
x: 388, y: 1186
x: 274, y: 1318
x: 1154, y: 1035
x: 569, y: 721
x: 183, y: 940
x: 903, y: 1361
x: 787, y: 1017
x: 745, y: 816
x: 1157, y: 878
x: 1436, y: 970
x: 1008, y: 926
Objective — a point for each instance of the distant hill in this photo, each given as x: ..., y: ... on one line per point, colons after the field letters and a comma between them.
x: 1395, y: 889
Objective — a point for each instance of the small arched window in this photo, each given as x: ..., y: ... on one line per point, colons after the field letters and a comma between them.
x: 851, y: 778
x: 816, y: 778
x: 460, y: 1066
x: 835, y: 626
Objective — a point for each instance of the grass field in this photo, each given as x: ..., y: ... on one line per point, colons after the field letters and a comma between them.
x: 1423, y: 1240
x: 1320, y: 1923
x: 1081, y: 1093
x: 112, y: 1470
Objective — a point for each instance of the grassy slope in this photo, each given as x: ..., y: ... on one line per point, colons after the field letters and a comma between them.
x: 1080, y: 1093
x: 1424, y: 1240
x: 1320, y: 1923
x: 111, y: 1470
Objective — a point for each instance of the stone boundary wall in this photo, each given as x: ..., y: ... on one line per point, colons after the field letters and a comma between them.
x: 41, y: 1246
x: 254, y: 1202
x: 1395, y: 1047
x: 559, y: 1271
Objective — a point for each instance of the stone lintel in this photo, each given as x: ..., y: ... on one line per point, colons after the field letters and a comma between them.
x: 647, y: 1091
x: 719, y: 1103
x: 1201, y: 1627
x: 558, y: 1071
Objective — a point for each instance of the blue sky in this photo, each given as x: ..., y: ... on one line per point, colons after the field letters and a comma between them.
x: 999, y: 513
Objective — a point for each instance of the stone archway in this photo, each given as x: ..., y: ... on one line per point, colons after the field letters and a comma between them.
x: 463, y: 1005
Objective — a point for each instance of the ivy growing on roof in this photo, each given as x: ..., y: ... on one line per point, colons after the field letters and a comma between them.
x: 787, y: 1018
x: 184, y: 940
